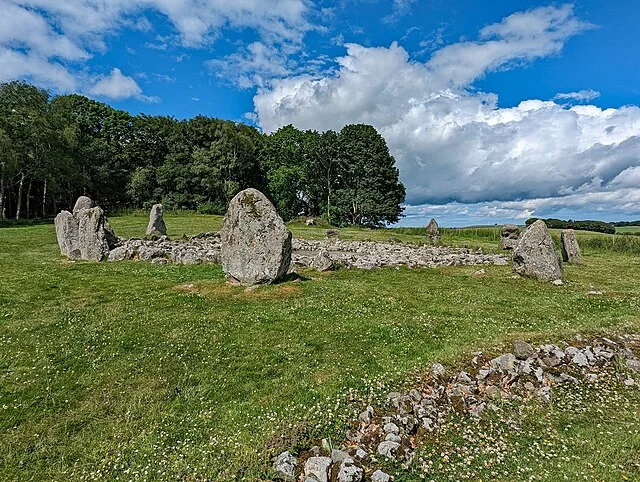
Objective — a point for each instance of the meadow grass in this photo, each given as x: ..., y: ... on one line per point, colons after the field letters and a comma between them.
x: 128, y: 370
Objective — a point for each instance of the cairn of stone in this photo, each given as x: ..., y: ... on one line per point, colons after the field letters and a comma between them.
x: 535, y: 255
x: 509, y: 236
x: 433, y: 233
x: 157, y: 226
x: 255, y: 244
x: 570, y: 247
x: 86, y: 233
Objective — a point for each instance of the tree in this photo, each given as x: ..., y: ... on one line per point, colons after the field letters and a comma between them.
x: 368, y: 191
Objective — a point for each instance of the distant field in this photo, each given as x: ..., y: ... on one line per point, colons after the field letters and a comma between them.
x: 628, y: 229
x: 134, y: 371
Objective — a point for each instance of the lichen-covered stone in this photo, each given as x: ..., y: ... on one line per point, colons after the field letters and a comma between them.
x: 433, y: 232
x: 67, y: 234
x: 92, y: 238
x: 156, y: 226
x: 255, y: 243
x: 535, y: 254
x: 570, y: 247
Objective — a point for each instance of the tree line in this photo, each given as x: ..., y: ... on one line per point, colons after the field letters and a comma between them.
x: 597, y: 226
x: 55, y: 148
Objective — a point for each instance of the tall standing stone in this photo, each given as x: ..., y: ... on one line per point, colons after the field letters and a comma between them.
x: 570, y: 247
x: 67, y: 234
x: 255, y: 243
x: 92, y: 236
x: 535, y: 254
x: 156, y: 226
x: 433, y: 232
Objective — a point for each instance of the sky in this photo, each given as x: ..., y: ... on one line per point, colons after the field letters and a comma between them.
x: 494, y: 111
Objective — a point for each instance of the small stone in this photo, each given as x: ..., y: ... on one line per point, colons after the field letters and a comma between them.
x: 366, y: 416
x: 316, y: 469
x: 580, y: 359
x: 530, y: 387
x: 463, y: 377
x: 285, y: 466
x: 557, y: 282
x: 350, y: 472
x: 629, y: 382
x: 361, y: 454
x: 392, y: 437
x: 492, y: 391
x: 380, y: 476
x: 391, y: 428
x: 591, y: 377
x: 565, y: 377
x: 545, y: 394
x: 505, y: 364
x: 388, y: 449
x: 437, y: 370
x: 322, y: 262
x: 523, y: 350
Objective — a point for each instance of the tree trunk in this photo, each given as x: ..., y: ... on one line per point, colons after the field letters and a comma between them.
x: 28, y: 211
x: 44, y: 200
x: 19, y: 201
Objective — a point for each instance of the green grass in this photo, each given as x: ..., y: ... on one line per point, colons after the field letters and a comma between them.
x: 131, y: 370
x: 628, y: 229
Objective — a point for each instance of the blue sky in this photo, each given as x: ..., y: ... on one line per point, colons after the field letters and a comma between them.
x: 494, y: 111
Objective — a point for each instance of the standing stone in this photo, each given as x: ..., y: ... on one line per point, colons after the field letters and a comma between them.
x: 156, y: 226
x: 255, y: 243
x: 509, y: 236
x: 83, y: 202
x: 433, y: 233
x: 92, y: 238
x: 535, y: 255
x: 570, y: 248
x: 67, y: 234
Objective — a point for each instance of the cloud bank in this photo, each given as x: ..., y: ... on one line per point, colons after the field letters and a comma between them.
x: 454, y: 144
x: 47, y: 41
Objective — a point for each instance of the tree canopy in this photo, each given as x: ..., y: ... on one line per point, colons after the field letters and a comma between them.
x: 53, y: 149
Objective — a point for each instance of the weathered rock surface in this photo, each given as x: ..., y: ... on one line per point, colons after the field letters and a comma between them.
x: 92, y: 238
x: 285, y: 466
x: 570, y: 247
x: 83, y: 202
x: 67, y: 234
x: 433, y: 232
x: 535, y: 255
x: 316, y: 469
x: 85, y: 233
x: 156, y: 226
x: 509, y: 236
x: 255, y: 243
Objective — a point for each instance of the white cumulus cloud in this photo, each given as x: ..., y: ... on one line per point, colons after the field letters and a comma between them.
x: 453, y: 143
x: 47, y: 41
x: 118, y: 86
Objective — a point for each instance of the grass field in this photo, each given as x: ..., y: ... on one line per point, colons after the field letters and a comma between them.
x: 628, y: 229
x: 133, y: 371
